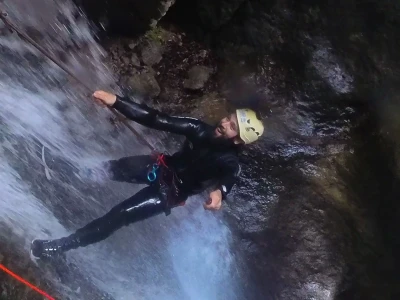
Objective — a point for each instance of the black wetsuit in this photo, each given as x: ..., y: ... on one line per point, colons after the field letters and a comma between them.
x: 203, y: 162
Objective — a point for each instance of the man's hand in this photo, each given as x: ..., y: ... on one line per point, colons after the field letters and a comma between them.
x: 215, y: 201
x: 106, y: 98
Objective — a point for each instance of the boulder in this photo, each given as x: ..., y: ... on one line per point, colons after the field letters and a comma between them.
x: 211, y: 108
x: 144, y: 84
x: 135, y: 60
x: 197, y: 77
x: 151, y: 52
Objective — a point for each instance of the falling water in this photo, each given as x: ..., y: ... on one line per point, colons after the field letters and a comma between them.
x: 46, y: 114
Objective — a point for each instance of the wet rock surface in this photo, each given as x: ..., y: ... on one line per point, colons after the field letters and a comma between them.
x: 77, y: 285
x: 315, y: 214
x: 288, y: 217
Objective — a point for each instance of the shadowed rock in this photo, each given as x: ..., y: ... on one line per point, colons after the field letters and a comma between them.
x: 128, y: 17
x: 151, y: 52
x: 144, y: 84
x: 198, y: 76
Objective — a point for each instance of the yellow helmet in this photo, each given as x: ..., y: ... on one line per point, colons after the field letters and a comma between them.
x: 250, y: 127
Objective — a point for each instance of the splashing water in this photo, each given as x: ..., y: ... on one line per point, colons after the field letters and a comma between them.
x: 183, y: 256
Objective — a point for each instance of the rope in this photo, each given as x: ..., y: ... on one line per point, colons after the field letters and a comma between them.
x: 24, y: 36
x: 25, y: 282
x: 161, y: 161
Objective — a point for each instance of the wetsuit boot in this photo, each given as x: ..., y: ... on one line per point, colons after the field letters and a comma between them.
x: 52, y: 248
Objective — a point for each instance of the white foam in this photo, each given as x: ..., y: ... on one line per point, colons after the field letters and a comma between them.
x: 28, y: 217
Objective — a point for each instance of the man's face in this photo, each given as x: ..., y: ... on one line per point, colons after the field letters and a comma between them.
x: 228, y: 127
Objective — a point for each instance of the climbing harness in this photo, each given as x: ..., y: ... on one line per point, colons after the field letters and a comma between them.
x: 24, y: 36
x: 20, y: 279
x: 152, y: 174
x: 168, y: 181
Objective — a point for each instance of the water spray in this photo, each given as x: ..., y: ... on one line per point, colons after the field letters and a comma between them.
x: 13, y: 28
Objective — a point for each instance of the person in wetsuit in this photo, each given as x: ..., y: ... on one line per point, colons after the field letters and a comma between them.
x: 208, y: 159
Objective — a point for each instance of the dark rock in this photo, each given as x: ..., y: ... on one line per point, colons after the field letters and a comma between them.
x: 203, y: 53
x: 144, y: 84
x: 209, y: 14
x: 127, y: 17
x: 169, y: 94
x: 198, y: 76
x: 214, y: 15
x: 151, y: 52
x: 329, y: 67
x: 132, y: 45
x: 135, y: 60
x: 125, y: 60
x: 211, y: 108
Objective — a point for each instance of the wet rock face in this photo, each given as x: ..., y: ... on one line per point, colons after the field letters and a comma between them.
x: 283, y: 226
x: 292, y: 31
x: 32, y: 272
x: 304, y: 207
x: 329, y: 67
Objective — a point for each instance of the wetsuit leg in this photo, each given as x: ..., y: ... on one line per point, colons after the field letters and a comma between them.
x: 131, y: 169
x: 145, y: 204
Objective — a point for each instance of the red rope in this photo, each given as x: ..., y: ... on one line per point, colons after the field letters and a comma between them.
x: 161, y: 161
x: 25, y: 282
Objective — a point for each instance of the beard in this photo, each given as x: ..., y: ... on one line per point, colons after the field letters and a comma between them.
x: 219, y: 138
x: 219, y: 131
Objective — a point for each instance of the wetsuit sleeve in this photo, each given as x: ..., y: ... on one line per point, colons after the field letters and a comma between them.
x: 155, y: 119
x: 230, y: 174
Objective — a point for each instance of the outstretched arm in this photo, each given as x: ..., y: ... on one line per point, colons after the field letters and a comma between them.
x: 150, y: 117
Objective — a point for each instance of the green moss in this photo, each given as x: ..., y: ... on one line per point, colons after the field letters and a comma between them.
x: 156, y: 34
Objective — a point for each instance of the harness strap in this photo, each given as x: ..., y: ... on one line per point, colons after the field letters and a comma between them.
x: 159, y: 161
